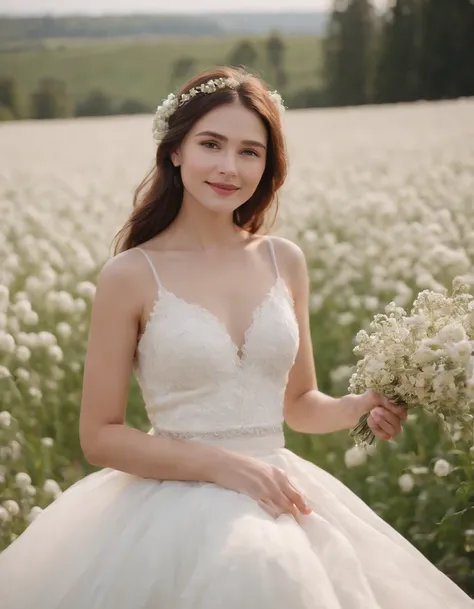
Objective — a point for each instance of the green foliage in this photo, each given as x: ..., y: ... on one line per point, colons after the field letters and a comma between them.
x: 348, y: 53
x: 418, y: 49
x: 97, y: 103
x: 9, y: 96
x: 134, y: 106
x: 243, y: 54
x: 51, y: 100
x: 6, y: 114
x: 181, y: 69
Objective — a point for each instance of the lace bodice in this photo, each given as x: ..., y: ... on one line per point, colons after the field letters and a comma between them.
x: 199, y: 385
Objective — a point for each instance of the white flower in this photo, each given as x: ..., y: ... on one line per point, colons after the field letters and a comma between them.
x: 31, y: 318
x: 34, y: 513
x: 4, y: 373
x: 47, y: 442
x: 86, y: 289
x: 406, y: 482
x: 5, y: 418
x: 46, y: 339
x: 453, y: 332
x: 355, y: 456
x: 21, y: 308
x: 22, y: 480
x: 51, y: 487
x: 278, y: 101
x: 80, y: 305
x: 35, y: 393
x: 4, y: 514
x: 442, y: 468
x: 22, y: 373
x: 12, y: 506
x: 29, y: 491
x: 15, y: 450
x: 169, y: 106
x: 23, y: 354
x: 56, y: 353
x: 7, y: 342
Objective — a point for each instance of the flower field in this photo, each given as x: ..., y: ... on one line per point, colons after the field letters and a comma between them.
x: 381, y: 199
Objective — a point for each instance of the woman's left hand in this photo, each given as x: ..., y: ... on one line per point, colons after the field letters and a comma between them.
x: 385, y: 417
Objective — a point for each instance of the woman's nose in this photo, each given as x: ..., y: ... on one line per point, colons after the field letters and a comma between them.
x: 228, y: 163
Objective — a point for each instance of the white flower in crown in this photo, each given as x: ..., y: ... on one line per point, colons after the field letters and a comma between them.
x: 169, y: 106
x: 277, y: 100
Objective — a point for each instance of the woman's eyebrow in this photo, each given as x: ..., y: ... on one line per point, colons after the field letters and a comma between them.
x: 223, y: 138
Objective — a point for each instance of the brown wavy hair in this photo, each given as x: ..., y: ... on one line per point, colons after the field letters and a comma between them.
x: 158, y: 199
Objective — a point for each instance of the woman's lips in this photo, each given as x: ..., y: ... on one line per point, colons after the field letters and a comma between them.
x: 223, y: 189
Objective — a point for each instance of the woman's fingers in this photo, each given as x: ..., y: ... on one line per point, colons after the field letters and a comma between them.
x: 389, y: 422
x: 398, y: 411
x: 296, y: 498
x: 268, y: 507
x: 276, y: 510
x: 377, y: 429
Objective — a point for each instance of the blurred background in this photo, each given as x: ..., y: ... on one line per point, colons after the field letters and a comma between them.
x: 380, y: 197
x: 113, y: 57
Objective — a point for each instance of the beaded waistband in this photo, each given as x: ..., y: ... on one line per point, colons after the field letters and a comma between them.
x: 226, y: 434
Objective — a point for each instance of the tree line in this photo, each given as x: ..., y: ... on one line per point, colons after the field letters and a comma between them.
x: 416, y: 49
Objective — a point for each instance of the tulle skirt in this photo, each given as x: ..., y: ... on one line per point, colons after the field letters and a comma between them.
x: 116, y: 541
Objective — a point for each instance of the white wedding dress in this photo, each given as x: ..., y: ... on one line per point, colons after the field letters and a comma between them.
x: 116, y: 541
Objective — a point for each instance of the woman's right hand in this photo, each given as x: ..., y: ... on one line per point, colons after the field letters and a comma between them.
x: 267, y: 484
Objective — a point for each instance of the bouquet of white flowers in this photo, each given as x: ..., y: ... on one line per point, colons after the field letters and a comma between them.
x: 425, y: 359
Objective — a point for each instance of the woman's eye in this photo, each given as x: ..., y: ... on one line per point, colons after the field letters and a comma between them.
x: 250, y: 152
x: 209, y: 144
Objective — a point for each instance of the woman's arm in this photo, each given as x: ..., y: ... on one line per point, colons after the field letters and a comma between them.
x: 307, y: 409
x: 105, y: 439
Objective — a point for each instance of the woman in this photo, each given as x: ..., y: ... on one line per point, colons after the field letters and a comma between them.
x: 209, y: 510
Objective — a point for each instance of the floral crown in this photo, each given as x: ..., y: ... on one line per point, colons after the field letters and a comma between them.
x: 169, y: 106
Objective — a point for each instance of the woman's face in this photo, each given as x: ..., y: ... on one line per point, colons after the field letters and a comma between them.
x: 223, y: 158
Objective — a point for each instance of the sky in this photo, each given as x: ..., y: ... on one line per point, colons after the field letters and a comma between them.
x: 95, y: 7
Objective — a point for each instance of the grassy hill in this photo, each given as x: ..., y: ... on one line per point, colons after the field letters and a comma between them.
x: 140, y: 68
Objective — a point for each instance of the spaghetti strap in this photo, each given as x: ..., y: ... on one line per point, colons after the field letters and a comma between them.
x: 272, y: 251
x: 152, y: 266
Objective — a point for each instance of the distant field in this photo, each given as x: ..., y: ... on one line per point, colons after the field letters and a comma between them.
x: 140, y: 69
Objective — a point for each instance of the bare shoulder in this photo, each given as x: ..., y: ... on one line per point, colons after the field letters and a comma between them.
x: 124, y: 272
x: 291, y: 258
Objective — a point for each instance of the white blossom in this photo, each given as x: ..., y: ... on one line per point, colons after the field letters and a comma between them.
x: 34, y: 513
x: 86, y: 289
x: 4, y: 373
x: 406, y: 482
x: 169, y: 106
x: 4, y: 514
x: 5, y: 418
x: 12, y: 506
x: 355, y: 456
x: 7, y: 342
x: 442, y: 468
x: 22, y: 353
x: 22, y: 480
x: 419, y: 359
x: 52, y: 488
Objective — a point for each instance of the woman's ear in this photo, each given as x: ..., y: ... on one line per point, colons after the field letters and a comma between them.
x: 176, y: 158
